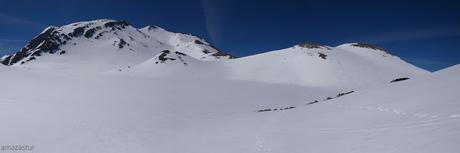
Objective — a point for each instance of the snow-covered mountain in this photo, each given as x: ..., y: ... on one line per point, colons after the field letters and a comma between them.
x: 111, y: 45
x: 150, y: 90
x: 346, y: 66
x: 105, y: 45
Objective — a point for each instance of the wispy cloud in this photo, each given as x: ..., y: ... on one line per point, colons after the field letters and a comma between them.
x: 423, y: 61
x: 430, y: 64
x: 213, y: 12
x: 412, y: 34
x: 10, y: 19
x: 12, y: 40
x: 8, y: 46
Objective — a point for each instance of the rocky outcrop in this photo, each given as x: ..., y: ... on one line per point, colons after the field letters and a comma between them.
x: 167, y: 55
x: 47, y: 42
x: 369, y: 46
x: 310, y: 45
x: 50, y: 40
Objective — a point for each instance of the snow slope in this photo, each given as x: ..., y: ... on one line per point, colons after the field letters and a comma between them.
x: 61, y: 112
x: 164, y: 93
x: 419, y: 115
x: 107, y: 113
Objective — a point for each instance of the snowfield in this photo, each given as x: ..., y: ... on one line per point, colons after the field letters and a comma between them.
x: 100, y: 98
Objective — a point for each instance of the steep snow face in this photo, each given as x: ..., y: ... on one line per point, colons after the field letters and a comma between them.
x: 323, y: 66
x: 102, y: 45
x: 186, y: 43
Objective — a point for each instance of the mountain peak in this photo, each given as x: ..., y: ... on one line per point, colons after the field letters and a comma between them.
x: 98, y: 22
x: 107, y: 41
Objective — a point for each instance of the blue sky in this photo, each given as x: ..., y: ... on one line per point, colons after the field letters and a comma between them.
x: 426, y: 33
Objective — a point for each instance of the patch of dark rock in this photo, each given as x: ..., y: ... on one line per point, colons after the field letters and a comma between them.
x: 116, y: 25
x: 149, y: 28
x: 369, y: 46
x: 122, y: 44
x: 343, y: 94
x: 6, y: 60
x: 163, y: 55
x: 399, y: 79
x: 313, y: 46
x: 89, y: 33
x: 310, y: 45
x: 180, y: 53
x: 322, y: 55
x: 77, y: 32
x: 221, y: 54
x: 276, y: 109
x: 330, y: 98
x: 264, y: 110
x: 182, y: 60
x: 205, y: 51
x: 100, y: 35
x: 198, y: 42
x: 37, y: 53
x: 66, y: 37
x: 316, y: 101
x: 62, y: 52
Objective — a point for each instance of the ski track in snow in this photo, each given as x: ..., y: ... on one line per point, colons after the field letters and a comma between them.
x: 427, y: 119
x: 394, y: 111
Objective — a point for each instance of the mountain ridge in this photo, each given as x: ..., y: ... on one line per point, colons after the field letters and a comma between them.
x: 113, y: 45
x: 54, y: 39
